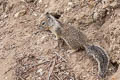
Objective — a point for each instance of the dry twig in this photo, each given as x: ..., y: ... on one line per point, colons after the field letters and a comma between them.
x: 51, y: 69
x: 61, y: 57
x: 11, y: 68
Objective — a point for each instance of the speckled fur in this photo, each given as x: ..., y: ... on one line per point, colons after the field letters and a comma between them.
x: 76, y: 40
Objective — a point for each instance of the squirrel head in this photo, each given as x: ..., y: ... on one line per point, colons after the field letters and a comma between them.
x: 48, y: 21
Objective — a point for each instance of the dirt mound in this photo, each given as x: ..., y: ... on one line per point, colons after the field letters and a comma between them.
x: 28, y: 53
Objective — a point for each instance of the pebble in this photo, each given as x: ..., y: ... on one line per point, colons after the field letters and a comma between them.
x: 67, y: 9
x: 6, y: 78
x: 20, y: 13
x: 40, y: 71
x: 23, y: 0
x: 40, y: 61
x: 43, y: 38
x: 40, y: 1
x: 4, y: 16
x: 46, y: 6
x: 113, y: 4
x: 35, y: 14
x: 29, y: 1
x: 70, y: 4
x: 95, y: 16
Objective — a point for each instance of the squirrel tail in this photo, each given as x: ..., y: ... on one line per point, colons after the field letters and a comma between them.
x: 101, y: 57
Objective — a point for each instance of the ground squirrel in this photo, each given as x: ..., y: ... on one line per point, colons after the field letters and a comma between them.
x: 76, y: 40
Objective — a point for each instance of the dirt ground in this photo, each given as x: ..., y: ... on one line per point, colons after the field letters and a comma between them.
x: 28, y: 53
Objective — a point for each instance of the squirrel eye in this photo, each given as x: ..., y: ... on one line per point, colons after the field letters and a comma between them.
x: 43, y: 23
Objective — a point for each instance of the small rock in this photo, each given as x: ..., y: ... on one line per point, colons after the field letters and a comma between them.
x: 40, y: 61
x: 114, y: 4
x: 5, y: 16
x: 67, y: 9
x: 20, y: 13
x: 46, y: 6
x: 84, y: 76
x: 70, y: 4
x: 39, y: 78
x: 43, y: 38
x: 95, y: 16
x: 118, y: 61
x: 6, y: 78
x: 29, y: 1
x: 40, y: 71
x: 23, y: 0
x: 35, y: 14
x: 40, y: 1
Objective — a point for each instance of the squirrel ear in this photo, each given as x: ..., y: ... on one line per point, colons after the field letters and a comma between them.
x: 47, y: 14
x: 51, y: 19
x: 50, y: 16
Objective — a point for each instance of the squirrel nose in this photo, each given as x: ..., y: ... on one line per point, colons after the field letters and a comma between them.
x: 39, y: 26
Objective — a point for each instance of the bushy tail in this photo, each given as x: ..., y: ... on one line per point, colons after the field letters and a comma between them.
x: 101, y: 57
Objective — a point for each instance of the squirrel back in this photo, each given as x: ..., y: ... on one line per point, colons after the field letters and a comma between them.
x: 101, y: 57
